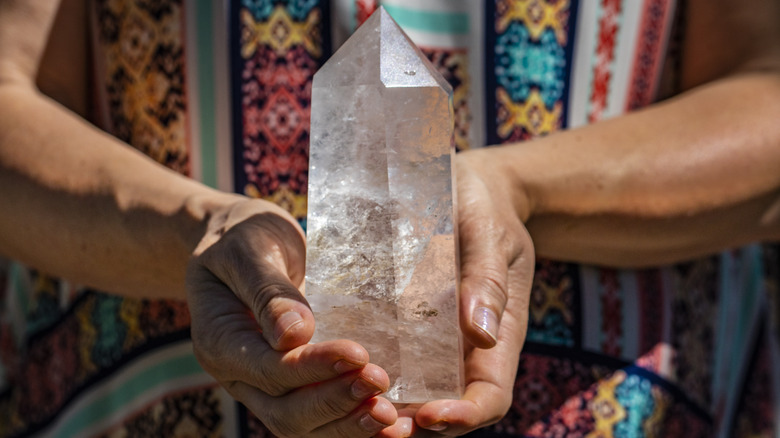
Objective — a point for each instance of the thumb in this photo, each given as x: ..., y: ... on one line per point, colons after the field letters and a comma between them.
x: 255, y: 260
x: 284, y: 316
x: 484, y: 290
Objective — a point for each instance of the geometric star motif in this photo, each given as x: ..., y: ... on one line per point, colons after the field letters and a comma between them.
x: 135, y: 49
x: 522, y: 64
x: 129, y: 313
x: 88, y: 337
x: 606, y: 410
x: 655, y: 422
x: 280, y: 32
x: 545, y: 297
x: 532, y: 115
x: 537, y: 16
x: 282, y: 119
x: 295, y: 203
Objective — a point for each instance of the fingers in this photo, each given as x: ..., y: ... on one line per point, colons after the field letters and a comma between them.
x: 373, y: 416
x: 229, y: 346
x: 405, y: 426
x: 483, y: 280
x: 492, y: 238
x: 488, y: 396
x: 250, y: 328
x: 490, y: 376
x: 340, y: 407
x: 285, y: 318
x: 485, y: 404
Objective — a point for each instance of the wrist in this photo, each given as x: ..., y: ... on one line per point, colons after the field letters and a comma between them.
x: 503, y: 171
x: 207, y: 212
x: 218, y: 212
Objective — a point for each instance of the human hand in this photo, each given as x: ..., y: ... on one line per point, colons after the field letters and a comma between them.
x: 497, y: 267
x: 251, y: 325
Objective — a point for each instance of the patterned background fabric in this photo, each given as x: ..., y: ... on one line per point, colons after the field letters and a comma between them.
x: 685, y: 350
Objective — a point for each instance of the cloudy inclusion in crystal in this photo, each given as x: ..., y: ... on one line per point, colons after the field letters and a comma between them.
x: 381, y: 262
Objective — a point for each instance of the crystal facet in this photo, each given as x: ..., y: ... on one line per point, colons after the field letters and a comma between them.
x: 381, y: 262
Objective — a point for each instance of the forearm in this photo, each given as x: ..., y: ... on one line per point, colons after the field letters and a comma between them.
x: 690, y: 176
x: 80, y: 204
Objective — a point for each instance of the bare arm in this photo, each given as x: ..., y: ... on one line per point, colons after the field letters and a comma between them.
x: 77, y: 202
x: 685, y: 177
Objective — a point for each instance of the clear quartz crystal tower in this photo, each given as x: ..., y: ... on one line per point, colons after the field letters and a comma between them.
x: 381, y: 263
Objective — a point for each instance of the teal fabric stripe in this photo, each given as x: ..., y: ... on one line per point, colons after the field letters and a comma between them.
x: 738, y: 298
x: 206, y: 86
x: 722, y: 327
x: 118, y: 398
x: 430, y: 21
x: 352, y: 15
x: 751, y: 293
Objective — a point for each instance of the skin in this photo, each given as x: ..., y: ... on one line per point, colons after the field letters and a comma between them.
x: 132, y: 227
x: 652, y: 187
x: 658, y: 186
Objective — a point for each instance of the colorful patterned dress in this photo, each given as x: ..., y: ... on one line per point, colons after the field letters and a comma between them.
x: 220, y: 91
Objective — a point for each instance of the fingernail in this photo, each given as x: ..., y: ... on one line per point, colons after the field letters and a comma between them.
x: 403, y: 427
x: 487, y: 321
x: 368, y: 423
x: 344, y: 366
x: 286, y: 322
x: 361, y: 389
x: 437, y: 427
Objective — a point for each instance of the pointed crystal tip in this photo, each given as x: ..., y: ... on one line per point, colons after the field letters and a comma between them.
x: 380, y: 51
